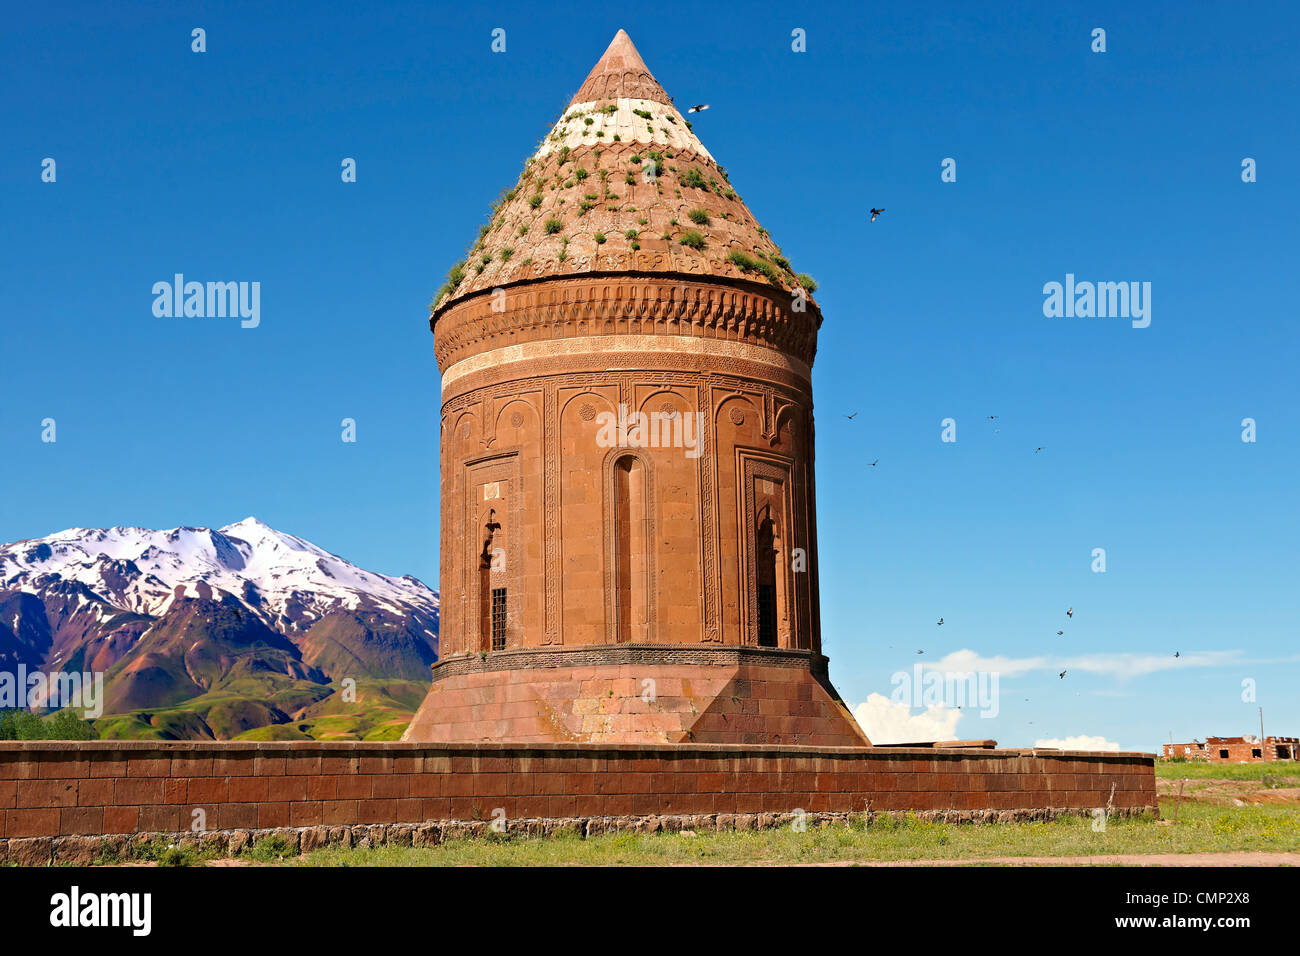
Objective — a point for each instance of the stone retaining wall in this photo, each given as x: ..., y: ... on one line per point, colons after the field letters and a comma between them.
x: 52, y: 793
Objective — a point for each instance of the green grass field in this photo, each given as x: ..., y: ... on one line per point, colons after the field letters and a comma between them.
x: 244, y: 709
x: 1286, y: 773
x: 1201, y: 829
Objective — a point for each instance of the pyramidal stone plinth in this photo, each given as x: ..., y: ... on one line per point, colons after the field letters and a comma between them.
x: 628, y: 520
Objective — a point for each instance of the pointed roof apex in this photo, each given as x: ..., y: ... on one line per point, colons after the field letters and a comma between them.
x: 620, y: 72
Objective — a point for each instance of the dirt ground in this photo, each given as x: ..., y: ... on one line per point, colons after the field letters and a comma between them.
x: 1125, y: 859
x: 1229, y: 793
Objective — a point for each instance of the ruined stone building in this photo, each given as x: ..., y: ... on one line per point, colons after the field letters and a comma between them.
x: 1244, y: 749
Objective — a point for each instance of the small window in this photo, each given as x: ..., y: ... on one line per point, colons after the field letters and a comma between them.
x: 1223, y: 755
x: 498, y: 619
x: 1256, y: 753
x: 766, y: 615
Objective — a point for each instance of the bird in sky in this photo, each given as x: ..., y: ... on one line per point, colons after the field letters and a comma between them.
x: 1059, y: 633
x: 993, y: 418
x: 1176, y: 654
x: 875, y: 463
x: 940, y: 624
x: 1070, y: 613
x: 698, y: 109
x: 920, y: 652
x: 851, y: 417
x: 1061, y: 675
x: 1037, y: 450
x: 875, y: 213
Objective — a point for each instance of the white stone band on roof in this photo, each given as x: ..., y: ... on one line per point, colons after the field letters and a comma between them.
x: 572, y: 129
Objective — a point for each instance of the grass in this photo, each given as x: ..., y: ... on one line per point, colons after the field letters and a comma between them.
x: 269, y: 849
x: 63, y: 725
x: 381, y: 710
x: 454, y: 278
x: 692, y: 238
x: 748, y: 263
x: 1201, y: 828
x: 694, y: 179
x: 1188, y: 770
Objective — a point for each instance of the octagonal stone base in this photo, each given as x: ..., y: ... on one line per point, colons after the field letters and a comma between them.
x: 631, y: 693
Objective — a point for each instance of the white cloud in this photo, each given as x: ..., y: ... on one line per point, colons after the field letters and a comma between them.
x: 885, y: 722
x: 965, y: 661
x: 1126, y: 665
x: 1080, y: 742
x: 1121, y: 665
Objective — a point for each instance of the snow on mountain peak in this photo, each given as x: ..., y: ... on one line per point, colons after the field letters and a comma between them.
x: 283, y: 568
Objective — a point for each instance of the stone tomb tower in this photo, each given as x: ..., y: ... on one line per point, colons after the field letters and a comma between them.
x: 628, y: 527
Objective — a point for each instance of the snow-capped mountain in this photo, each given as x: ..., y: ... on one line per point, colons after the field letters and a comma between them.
x: 170, y: 615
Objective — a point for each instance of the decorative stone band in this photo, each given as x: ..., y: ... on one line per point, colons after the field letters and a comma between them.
x: 625, y: 304
x: 629, y: 654
x: 617, y: 352
x: 663, y: 129
x: 634, y: 78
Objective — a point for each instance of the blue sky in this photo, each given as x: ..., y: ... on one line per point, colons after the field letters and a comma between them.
x: 1115, y: 166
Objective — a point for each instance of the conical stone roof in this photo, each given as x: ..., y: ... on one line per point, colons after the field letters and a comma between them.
x: 621, y: 184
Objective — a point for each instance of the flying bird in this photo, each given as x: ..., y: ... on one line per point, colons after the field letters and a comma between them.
x: 875, y: 463
x: 698, y: 109
x: 1176, y: 654
x: 1061, y: 675
x: 992, y: 418
x: 851, y: 417
x: 940, y: 622
x: 1037, y: 450
x: 920, y: 652
x: 1059, y: 633
x: 1070, y: 613
x: 875, y: 213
